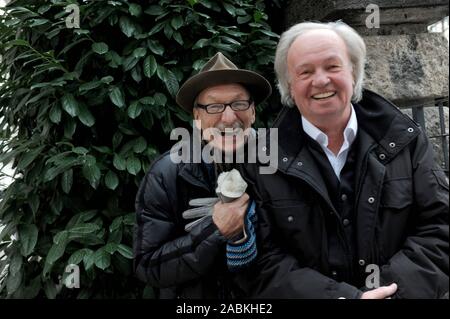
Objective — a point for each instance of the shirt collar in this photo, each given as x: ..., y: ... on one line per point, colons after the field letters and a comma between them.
x: 320, y: 137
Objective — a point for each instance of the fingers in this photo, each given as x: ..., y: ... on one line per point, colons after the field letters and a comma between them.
x: 380, y: 293
x: 389, y: 290
x: 243, y: 199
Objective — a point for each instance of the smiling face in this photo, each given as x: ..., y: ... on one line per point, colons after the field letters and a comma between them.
x: 321, y: 80
x: 228, y: 122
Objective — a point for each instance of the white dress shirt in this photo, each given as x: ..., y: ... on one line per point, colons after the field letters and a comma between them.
x: 337, y: 161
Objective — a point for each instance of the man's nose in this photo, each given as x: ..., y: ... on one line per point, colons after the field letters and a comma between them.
x: 320, y: 79
x: 228, y: 115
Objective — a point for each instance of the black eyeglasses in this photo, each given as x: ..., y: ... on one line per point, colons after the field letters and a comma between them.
x: 216, y: 108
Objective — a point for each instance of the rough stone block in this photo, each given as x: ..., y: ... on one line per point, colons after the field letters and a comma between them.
x: 433, y: 129
x: 408, y: 67
x: 396, y: 17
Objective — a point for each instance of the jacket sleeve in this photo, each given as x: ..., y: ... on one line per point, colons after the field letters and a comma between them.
x: 164, y: 255
x: 277, y: 273
x: 421, y: 268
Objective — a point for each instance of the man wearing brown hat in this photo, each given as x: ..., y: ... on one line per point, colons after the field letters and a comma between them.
x: 193, y: 259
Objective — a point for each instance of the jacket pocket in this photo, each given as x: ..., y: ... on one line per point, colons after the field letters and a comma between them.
x: 397, y: 194
x: 394, y: 215
x: 441, y: 178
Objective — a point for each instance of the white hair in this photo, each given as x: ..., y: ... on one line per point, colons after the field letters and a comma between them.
x: 356, y: 49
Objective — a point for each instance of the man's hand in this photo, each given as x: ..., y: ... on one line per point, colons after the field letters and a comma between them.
x: 229, y: 217
x: 380, y: 293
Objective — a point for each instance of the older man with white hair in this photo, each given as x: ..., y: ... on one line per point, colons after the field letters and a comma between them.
x: 357, y: 207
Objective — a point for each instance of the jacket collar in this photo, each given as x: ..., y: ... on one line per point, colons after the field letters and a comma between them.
x: 386, y: 126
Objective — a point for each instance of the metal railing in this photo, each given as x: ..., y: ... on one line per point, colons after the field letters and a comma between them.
x: 440, y: 137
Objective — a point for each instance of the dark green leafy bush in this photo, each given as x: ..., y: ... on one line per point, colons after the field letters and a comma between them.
x: 84, y: 111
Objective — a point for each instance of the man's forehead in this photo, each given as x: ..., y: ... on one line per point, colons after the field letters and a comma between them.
x: 316, y: 39
x: 234, y: 89
x: 324, y: 44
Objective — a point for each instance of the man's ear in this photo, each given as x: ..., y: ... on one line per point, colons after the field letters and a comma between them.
x: 195, y: 113
x: 253, y: 113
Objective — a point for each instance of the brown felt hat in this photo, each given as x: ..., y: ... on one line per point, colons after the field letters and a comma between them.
x: 219, y: 70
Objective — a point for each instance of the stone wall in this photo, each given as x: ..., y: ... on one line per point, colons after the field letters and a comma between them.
x: 408, y: 67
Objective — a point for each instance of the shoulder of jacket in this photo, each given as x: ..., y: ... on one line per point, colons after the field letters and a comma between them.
x: 163, y: 167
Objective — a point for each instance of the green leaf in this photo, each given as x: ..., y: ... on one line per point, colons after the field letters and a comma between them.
x: 129, y: 219
x: 127, y: 26
x: 16, y: 264
x: 58, y: 248
x: 243, y: 19
x: 88, y: 259
x: 117, y: 139
x: 125, y: 251
x: 28, y: 235
x: 200, y: 44
x: 13, y: 282
x: 32, y: 290
x: 168, y: 31
x: 119, y: 162
x: 135, y: 109
x: 83, y: 229
x: 55, y: 114
x: 110, y: 248
x: 67, y: 180
x: 69, y: 104
x: 69, y: 128
x: 171, y: 83
x: 154, y: 10
x: 100, y: 47
x: 155, y: 47
x: 29, y: 156
x: 85, y: 115
x: 61, y: 237
x: 50, y: 289
x: 150, y: 66
x: 117, y: 222
x: 115, y: 59
x: 34, y: 201
x: 102, y: 259
x: 129, y: 62
x: 107, y: 79
x: 116, y: 96
x: 78, y: 256
x: 92, y: 174
x: 37, y: 22
x: 80, y: 150
x: 135, y: 9
x: 269, y: 33
x: 156, y: 28
x: 177, y: 37
x: 133, y: 165
x: 111, y: 180
x: 140, y: 145
x: 230, y: 9
x: 139, y: 52
x: 136, y: 74
x: 177, y: 22
x: 102, y: 149
x: 89, y: 86
x: 160, y: 99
